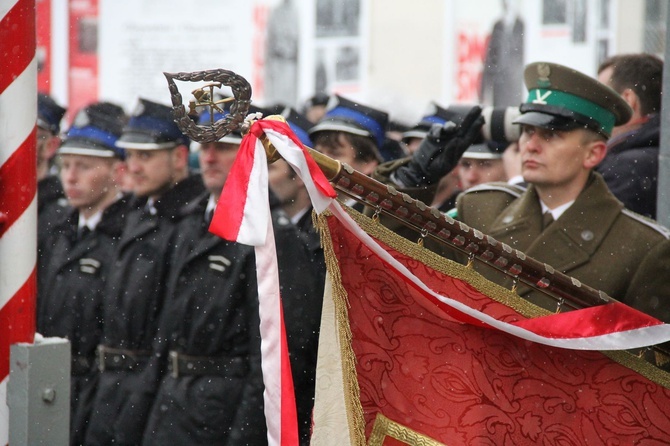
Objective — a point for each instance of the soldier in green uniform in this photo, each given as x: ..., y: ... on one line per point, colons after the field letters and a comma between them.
x: 567, y: 217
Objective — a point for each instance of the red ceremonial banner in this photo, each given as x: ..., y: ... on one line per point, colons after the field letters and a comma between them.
x: 425, y: 377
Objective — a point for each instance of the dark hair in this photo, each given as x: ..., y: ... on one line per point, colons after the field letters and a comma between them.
x: 642, y: 73
x: 365, y: 149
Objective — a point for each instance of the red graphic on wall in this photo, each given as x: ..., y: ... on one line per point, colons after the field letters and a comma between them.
x: 260, y: 19
x: 43, y: 49
x: 83, y: 74
x: 471, y: 51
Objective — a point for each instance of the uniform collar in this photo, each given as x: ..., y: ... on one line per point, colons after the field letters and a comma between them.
x: 558, y: 211
x: 90, y: 222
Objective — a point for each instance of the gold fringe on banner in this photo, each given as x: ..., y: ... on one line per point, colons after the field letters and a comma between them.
x: 352, y: 395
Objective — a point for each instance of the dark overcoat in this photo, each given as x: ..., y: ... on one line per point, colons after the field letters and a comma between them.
x: 71, y: 281
x: 133, y: 299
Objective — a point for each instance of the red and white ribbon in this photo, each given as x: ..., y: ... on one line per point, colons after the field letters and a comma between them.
x: 243, y: 215
x: 18, y: 185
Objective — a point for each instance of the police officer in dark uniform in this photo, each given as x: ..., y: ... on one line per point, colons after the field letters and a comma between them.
x: 157, y: 162
x: 209, y: 339
x: 71, y: 279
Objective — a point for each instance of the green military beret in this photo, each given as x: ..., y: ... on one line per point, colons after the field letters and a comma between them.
x: 562, y: 98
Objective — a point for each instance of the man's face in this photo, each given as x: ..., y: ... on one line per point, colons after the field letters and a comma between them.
x: 472, y: 172
x: 343, y: 151
x: 413, y: 144
x: 283, y: 183
x: 605, y: 76
x: 47, y: 144
x: 554, y: 158
x: 152, y: 172
x: 88, y: 181
x: 216, y: 160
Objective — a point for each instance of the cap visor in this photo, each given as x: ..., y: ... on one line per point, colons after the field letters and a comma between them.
x: 414, y: 134
x: 337, y: 126
x: 547, y: 121
x: 86, y: 151
x: 142, y: 141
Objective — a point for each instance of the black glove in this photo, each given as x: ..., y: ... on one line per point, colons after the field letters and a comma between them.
x: 440, y: 151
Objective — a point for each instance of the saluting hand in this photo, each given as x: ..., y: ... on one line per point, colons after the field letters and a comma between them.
x: 440, y: 151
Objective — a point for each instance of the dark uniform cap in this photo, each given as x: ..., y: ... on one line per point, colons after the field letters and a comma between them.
x: 344, y: 115
x: 152, y: 127
x: 299, y: 124
x: 95, y: 132
x: 318, y: 99
x: 484, y: 151
x: 49, y: 114
x: 436, y: 115
x: 235, y: 137
x: 562, y: 98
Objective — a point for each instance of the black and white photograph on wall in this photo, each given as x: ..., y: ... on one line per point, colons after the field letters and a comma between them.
x: 281, y: 54
x: 554, y: 12
x: 504, y: 60
x: 579, y: 17
x: 337, y: 18
x: 346, y: 64
x: 338, y: 45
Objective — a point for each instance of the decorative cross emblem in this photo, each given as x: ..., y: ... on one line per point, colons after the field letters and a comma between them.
x: 205, y: 98
x: 540, y: 97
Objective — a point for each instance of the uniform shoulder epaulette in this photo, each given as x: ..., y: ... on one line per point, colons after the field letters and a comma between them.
x: 665, y: 232
x: 513, y: 189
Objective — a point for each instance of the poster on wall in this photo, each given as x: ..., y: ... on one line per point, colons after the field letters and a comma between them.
x: 139, y: 41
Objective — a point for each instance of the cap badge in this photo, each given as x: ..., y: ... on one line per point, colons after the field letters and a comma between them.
x: 540, y: 97
x: 81, y: 120
x: 139, y: 109
x: 543, y: 73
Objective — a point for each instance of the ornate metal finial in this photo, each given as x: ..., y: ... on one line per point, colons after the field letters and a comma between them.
x: 204, y: 97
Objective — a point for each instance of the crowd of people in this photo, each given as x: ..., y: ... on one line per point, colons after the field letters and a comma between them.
x: 162, y: 316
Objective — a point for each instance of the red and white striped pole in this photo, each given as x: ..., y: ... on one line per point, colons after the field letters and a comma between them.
x: 18, y: 185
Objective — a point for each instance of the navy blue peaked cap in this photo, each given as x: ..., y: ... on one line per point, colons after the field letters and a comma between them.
x: 95, y: 131
x: 49, y: 113
x: 435, y: 114
x: 347, y: 116
x: 299, y: 124
x: 235, y: 137
x: 152, y: 127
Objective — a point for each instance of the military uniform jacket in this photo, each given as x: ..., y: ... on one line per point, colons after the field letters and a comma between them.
x: 595, y: 240
x: 211, y: 311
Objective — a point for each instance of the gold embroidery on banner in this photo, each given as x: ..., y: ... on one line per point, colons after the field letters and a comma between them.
x: 352, y: 393
x: 384, y: 427
x: 491, y: 290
